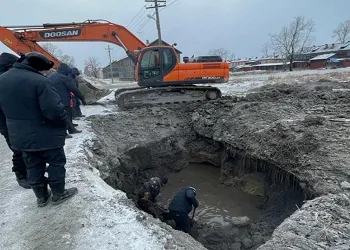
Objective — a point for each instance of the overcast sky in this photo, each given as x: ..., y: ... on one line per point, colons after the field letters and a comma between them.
x: 197, y: 26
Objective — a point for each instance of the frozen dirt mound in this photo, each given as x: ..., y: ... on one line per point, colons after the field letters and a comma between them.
x: 301, y: 130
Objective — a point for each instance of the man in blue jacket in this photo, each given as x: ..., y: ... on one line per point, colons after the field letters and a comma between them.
x: 181, y: 206
x: 36, y: 123
x: 19, y: 167
x: 64, y: 86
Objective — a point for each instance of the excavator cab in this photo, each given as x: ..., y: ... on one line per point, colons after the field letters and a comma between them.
x: 154, y: 64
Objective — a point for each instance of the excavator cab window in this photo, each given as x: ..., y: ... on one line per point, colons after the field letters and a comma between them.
x: 150, y: 66
x: 155, y: 63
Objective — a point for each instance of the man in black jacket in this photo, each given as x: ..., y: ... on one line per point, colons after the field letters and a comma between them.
x: 36, y: 122
x: 64, y: 86
x: 76, y: 111
x: 181, y: 206
x: 19, y: 167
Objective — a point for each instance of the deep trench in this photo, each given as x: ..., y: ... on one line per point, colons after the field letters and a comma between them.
x: 232, y: 187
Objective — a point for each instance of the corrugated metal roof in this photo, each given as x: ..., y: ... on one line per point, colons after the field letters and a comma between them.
x: 271, y: 64
x: 322, y: 57
x: 326, y: 48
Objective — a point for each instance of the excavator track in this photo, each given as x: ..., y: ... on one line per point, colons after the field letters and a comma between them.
x: 137, y: 98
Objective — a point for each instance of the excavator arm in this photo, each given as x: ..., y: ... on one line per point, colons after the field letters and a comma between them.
x: 19, y: 46
x: 23, y: 39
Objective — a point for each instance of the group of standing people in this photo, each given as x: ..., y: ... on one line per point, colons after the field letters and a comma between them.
x: 36, y: 111
x: 35, y: 115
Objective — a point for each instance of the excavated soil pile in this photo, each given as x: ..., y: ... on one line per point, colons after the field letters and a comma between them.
x: 286, y: 144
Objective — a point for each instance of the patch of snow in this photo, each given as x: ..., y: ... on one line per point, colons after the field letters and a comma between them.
x: 322, y: 57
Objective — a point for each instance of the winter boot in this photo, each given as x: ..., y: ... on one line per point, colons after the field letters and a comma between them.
x: 60, y: 194
x: 68, y: 136
x: 22, y: 179
x: 75, y: 131
x: 67, y: 194
x: 24, y: 183
x: 42, y: 194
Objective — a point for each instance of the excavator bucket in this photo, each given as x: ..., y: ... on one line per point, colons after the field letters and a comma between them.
x: 90, y: 92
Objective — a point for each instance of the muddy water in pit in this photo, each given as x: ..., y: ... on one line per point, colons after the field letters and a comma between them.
x: 218, y: 203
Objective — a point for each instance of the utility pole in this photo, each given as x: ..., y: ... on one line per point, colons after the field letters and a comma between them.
x: 110, y: 62
x: 156, y: 7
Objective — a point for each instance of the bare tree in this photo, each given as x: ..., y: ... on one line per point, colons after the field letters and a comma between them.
x: 225, y: 54
x: 92, y: 65
x: 52, y: 49
x: 56, y: 52
x: 292, y: 39
x: 265, y: 50
x: 342, y: 32
x: 68, y: 60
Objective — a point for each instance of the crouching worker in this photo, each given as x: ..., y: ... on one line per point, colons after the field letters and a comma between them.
x: 36, y: 122
x: 181, y: 206
x: 148, y: 193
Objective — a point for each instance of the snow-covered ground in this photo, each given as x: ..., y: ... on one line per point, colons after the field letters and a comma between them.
x: 265, y: 75
x: 241, y: 82
x: 99, y: 217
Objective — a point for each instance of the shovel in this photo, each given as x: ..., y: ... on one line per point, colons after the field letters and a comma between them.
x: 192, y: 219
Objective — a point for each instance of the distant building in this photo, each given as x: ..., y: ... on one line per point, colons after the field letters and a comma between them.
x: 265, y: 63
x: 124, y: 69
x: 178, y: 52
x: 340, y: 50
x: 327, y: 55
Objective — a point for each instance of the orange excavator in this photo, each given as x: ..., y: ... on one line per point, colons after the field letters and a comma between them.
x: 160, y: 77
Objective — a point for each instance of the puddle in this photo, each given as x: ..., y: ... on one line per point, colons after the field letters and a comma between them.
x: 218, y: 203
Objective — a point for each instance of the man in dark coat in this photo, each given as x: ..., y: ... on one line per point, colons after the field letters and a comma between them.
x: 64, y: 86
x: 76, y: 112
x: 36, y: 122
x: 19, y: 167
x: 148, y: 193
x: 181, y: 206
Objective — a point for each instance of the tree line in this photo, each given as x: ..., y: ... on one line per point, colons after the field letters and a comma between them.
x: 291, y: 40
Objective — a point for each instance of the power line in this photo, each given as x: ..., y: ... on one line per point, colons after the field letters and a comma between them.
x: 136, y: 22
x: 144, y: 21
x: 136, y: 15
x: 169, y: 4
x: 157, y: 5
x: 141, y: 19
x: 143, y: 25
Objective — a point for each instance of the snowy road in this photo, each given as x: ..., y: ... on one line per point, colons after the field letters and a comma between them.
x: 99, y: 217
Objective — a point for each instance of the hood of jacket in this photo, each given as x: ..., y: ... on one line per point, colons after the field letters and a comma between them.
x: 75, y: 72
x: 64, y: 69
x: 6, y: 61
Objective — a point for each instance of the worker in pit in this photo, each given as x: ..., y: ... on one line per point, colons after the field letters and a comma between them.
x: 181, y: 206
x: 148, y: 193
